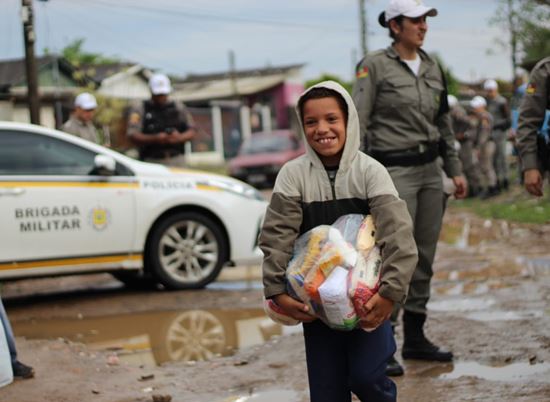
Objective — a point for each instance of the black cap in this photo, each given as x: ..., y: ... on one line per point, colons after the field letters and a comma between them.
x: 382, y: 19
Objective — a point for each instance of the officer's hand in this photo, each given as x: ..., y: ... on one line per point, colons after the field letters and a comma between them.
x: 461, y: 187
x: 293, y: 308
x: 379, y: 310
x: 162, y: 137
x: 533, y: 181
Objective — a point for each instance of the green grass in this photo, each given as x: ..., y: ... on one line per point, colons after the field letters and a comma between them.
x: 514, y: 205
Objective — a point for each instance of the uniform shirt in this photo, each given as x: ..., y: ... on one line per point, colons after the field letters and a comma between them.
x: 531, y: 113
x: 499, y: 109
x: 80, y: 129
x: 482, y: 128
x: 398, y: 110
x: 135, y: 117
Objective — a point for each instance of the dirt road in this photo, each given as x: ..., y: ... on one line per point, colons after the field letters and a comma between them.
x: 91, y: 340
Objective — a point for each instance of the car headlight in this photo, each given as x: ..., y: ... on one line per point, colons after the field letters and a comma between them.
x: 235, y: 187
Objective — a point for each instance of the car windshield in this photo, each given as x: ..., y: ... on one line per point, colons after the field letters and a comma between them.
x: 259, y: 144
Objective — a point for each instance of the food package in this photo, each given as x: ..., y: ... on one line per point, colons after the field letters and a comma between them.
x: 335, y: 270
x: 364, y: 280
x: 339, y: 311
x: 277, y: 314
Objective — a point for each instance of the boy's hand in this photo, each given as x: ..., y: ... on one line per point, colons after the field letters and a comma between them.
x: 293, y: 308
x: 379, y: 310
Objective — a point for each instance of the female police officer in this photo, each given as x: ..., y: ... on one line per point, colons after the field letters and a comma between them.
x: 401, y: 98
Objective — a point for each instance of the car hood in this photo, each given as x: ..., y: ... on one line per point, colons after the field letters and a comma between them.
x: 146, y: 171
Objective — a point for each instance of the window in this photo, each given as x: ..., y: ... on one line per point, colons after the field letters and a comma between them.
x: 23, y: 153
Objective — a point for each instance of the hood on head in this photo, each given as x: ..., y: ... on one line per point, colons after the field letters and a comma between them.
x: 352, y: 128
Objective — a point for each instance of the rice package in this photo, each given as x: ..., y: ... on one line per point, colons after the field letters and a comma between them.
x: 335, y: 270
x: 339, y: 311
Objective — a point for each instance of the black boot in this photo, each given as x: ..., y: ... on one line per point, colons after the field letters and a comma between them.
x: 416, y: 345
x: 394, y: 369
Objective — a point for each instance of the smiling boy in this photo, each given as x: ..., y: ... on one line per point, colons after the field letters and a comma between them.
x: 333, y: 179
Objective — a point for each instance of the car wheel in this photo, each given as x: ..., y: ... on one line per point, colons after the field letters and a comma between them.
x: 136, y: 280
x: 187, y: 251
x: 192, y: 336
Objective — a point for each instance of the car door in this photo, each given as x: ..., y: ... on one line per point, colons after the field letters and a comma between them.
x: 57, y: 215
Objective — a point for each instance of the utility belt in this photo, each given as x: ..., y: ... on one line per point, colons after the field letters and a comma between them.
x: 421, y: 154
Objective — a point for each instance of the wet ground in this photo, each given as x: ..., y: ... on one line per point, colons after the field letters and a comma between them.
x: 90, y: 339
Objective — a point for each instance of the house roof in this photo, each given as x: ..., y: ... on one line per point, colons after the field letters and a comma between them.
x: 13, y: 72
x: 197, y: 87
x: 100, y: 72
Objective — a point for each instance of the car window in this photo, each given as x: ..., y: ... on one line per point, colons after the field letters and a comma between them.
x: 23, y: 153
x: 259, y: 144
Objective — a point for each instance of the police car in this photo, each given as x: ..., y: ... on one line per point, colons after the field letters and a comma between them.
x: 69, y: 206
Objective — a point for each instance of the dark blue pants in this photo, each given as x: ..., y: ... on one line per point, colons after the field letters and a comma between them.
x: 340, y: 362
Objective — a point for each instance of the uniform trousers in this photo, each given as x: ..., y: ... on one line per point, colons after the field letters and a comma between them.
x: 500, y: 164
x: 486, y: 163
x: 470, y: 164
x: 342, y: 362
x: 421, y: 187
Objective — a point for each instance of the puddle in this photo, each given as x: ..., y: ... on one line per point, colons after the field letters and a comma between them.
x: 151, y: 338
x: 235, y: 285
x: 268, y: 396
x: 504, y: 315
x: 461, y: 304
x: 507, y: 373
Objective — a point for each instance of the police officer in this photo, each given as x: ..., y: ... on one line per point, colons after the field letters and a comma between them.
x: 401, y: 98
x: 80, y: 123
x: 533, y: 149
x: 498, y: 106
x: 484, y: 145
x: 160, y: 127
x: 464, y: 135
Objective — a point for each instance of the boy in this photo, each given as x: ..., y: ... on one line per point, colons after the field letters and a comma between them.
x: 333, y: 179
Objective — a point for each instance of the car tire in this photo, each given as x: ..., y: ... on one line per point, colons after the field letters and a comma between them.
x: 135, y: 280
x: 187, y: 250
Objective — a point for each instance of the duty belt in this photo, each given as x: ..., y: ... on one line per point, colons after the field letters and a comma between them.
x: 420, y: 155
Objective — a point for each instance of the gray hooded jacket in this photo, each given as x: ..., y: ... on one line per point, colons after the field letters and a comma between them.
x: 303, y: 198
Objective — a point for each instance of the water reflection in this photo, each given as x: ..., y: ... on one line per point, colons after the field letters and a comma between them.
x: 157, y: 337
x: 508, y: 373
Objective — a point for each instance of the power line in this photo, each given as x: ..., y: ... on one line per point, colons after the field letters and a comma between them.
x: 132, y: 7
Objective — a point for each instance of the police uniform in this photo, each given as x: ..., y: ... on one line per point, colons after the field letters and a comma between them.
x: 83, y: 130
x: 405, y: 124
x: 532, y: 111
x: 150, y: 118
x: 500, y: 111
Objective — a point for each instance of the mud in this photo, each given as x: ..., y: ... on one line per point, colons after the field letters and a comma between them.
x: 90, y: 339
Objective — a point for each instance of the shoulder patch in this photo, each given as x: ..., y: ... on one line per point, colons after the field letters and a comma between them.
x: 362, y: 72
x: 531, y: 88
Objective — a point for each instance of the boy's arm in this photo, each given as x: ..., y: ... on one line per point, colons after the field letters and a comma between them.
x: 394, y: 236
x: 279, y: 232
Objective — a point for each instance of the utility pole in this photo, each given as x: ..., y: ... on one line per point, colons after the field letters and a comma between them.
x: 232, y: 75
x: 363, y: 24
x: 30, y: 62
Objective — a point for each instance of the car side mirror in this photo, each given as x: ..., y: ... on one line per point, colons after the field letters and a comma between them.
x: 104, y: 165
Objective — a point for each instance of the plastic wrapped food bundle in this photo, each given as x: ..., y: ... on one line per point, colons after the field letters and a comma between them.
x: 335, y: 270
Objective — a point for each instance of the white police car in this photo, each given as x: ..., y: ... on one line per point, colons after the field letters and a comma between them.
x: 70, y: 206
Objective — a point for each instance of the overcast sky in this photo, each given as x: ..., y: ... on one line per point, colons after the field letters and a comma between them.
x: 194, y: 36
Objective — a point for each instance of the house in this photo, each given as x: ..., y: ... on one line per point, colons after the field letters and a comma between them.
x: 58, y: 81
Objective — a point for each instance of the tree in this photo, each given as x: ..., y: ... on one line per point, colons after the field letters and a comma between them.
x: 526, y: 22
x: 74, y: 53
